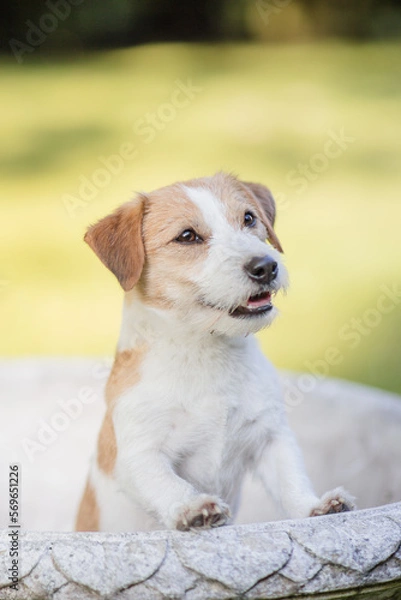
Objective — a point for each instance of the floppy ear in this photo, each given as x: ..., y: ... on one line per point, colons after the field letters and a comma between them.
x: 266, y: 201
x: 117, y: 241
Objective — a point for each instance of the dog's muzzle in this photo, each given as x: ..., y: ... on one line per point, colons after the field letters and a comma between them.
x: 262, y: 270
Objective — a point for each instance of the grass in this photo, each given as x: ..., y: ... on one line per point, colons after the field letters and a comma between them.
x: 261, y: 112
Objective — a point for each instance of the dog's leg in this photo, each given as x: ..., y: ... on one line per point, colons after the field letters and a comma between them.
x: 177, y: 504
x: 283, y: 473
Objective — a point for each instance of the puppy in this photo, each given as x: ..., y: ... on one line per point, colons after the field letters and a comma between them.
x: 192, y: 403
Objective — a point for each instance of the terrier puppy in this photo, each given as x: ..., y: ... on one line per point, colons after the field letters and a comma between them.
x: 192, y: 403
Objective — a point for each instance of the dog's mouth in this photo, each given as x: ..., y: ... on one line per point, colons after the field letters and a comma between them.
x: 257, y: 304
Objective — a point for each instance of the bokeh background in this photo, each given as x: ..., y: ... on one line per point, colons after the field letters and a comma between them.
x: 100, y: 100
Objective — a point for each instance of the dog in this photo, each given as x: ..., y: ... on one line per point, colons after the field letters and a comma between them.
x: 192, y: 404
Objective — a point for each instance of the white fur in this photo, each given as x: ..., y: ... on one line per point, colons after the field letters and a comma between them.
x: 208, y: 406
x: 223, y: 281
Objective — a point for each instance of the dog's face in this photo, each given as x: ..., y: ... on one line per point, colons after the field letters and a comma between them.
x: 197, y: 250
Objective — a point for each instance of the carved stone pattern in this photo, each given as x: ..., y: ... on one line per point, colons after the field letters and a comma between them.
x: 350, y: 555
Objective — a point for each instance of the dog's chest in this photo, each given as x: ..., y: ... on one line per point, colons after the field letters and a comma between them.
x: 220, y: 405
x: 216, y: 436
x: 209, y: 412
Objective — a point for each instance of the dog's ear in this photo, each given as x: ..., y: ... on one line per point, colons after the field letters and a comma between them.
x: 117, y: 241
x: 266, y: 201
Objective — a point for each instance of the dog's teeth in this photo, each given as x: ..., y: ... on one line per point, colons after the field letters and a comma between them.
x: 217, y: 510
x: 204, y: 512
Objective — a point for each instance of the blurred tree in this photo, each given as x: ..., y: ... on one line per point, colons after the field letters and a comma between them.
x: 120, y: 22
x: 354, y: 19
x: 91, y: 24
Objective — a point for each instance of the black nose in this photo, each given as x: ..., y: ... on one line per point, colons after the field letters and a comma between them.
x: 262, y: 269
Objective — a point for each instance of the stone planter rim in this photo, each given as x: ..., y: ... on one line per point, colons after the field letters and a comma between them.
x: 334, y: 554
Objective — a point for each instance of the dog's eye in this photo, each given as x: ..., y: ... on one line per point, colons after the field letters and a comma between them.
x: 189, y: 236
x: 249, y: 219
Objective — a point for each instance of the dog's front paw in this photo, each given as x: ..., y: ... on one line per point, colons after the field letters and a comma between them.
x: 336, y: 501
x: 203, y: 512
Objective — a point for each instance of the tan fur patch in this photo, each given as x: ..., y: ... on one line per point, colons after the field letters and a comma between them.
x: 88, y: 513
x: 169, y: 213
x: 107, y: 445
x: 264, y: 196
x: 231, y: 193
x: 124, y: 374
x: 236, y: 194
x: 266, y: 209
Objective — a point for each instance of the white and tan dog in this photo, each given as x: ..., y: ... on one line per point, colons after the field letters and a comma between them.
x: 192, y: 404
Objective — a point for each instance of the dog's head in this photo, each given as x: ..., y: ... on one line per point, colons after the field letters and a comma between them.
x: 198, y: 250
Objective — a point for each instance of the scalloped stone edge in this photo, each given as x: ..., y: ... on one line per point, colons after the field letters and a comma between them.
x: 334, y: 554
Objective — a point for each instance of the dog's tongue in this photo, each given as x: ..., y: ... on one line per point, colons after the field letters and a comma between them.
x: 259, y: 300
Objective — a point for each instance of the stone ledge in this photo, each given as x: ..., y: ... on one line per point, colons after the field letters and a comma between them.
x: 325, y: 557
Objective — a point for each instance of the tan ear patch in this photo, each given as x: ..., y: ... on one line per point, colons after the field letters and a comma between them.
x: 265, y: 198
x: 117, y: 241
x: 88, y: 512
x: 272, y: 237
x: 266, y: 202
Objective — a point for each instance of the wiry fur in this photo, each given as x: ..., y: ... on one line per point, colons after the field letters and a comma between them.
x: 194, y: 404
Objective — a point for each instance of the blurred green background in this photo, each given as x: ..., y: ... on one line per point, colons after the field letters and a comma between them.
x: 278, y: 92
